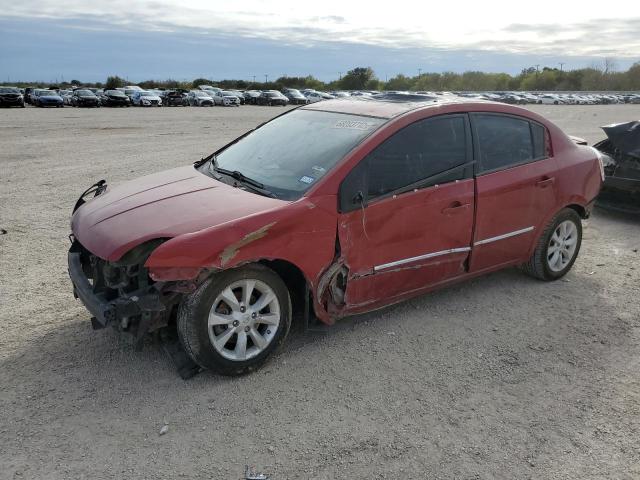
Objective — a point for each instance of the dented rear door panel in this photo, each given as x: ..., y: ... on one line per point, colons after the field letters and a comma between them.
x: 406, y: 242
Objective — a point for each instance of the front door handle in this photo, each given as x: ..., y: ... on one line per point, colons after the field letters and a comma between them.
x: 545, y: 182
x: 455, y: 208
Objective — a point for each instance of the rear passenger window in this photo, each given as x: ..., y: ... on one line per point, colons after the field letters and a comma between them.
x: 537, y: 133
x: 505, y: 141
x: 417, y: 152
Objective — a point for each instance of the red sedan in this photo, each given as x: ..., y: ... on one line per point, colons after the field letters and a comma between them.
x: 331, y: 209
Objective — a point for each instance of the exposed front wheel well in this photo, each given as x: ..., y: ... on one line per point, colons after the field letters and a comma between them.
x: 580, y: 210
x: 295, y: 281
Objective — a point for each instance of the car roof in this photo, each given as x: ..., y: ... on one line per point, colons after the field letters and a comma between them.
x: 387, y: 107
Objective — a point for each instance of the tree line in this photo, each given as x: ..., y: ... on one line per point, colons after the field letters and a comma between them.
x: 601, y: 77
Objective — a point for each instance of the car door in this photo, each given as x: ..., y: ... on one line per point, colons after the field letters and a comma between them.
x: 516, y: 189
x: 407, y: 211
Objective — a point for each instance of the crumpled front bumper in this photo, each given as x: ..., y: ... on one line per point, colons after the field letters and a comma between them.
x: 144, y: 306
x: 103, y: 312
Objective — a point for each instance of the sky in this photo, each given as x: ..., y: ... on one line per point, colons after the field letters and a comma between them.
x: 54, y: 40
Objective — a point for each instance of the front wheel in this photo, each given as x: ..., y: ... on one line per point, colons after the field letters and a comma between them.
x: 235, y: 320
x: 557, y: 247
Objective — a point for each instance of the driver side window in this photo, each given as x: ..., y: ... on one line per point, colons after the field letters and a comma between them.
x: 428, y: 152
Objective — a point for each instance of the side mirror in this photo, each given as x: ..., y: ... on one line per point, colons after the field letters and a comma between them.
x: 358, y: 198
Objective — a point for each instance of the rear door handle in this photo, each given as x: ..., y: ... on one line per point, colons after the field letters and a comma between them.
x: 545, y: 182
x: 455, y: 208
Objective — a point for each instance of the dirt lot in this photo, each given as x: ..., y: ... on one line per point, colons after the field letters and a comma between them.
x: 501, y: 377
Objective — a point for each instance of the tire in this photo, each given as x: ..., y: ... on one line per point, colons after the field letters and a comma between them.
x: 541, y: 265
x: 195, y: 334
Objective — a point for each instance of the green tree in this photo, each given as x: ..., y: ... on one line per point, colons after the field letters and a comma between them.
x: 200, y: 81
x: 114, y: 82
x: 357, y: 78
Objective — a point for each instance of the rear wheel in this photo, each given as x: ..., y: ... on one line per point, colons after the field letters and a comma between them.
x: 557, y: 247
x: 235, y: 320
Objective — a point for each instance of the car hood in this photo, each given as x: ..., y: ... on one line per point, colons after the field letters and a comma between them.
x: 163, y: 205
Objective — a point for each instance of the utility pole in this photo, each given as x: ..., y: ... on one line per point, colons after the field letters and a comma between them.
x: 340, y: 75
x: 561, y: 65
x: 419, y: 72
x: 266, y: 78
x: 254, y: 79
x: 537, y: 68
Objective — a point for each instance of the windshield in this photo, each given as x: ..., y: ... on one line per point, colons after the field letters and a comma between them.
x: 147, y: 94
x: 9, y: 90
x: 46, y: 93
x: 292, y: 152
x: 84, y: 92
x: 114, y: 93
x: 201, y: 94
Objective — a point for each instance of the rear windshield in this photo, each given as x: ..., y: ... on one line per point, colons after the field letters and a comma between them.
x: 292, y: 152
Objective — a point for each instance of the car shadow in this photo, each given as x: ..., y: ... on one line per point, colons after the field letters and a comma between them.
x: 105, y: 359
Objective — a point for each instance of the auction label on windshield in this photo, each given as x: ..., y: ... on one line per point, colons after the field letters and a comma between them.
x: 353, y: 124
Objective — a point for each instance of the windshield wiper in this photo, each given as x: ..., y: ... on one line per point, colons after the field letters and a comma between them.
x: 240, y: 177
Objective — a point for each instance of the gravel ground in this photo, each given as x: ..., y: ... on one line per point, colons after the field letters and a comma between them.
x: 500, y: 377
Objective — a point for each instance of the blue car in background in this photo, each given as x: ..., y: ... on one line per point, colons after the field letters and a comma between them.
x: 47, y: 98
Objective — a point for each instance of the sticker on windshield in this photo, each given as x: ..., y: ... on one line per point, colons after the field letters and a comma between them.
x: 318, y: 171
x: 353, y: 124
x: 307, y: 180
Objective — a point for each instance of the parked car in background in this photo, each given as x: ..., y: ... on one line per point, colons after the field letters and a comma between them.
x: 84, y: 98
x: 114, y: 98
x: 209, y: 88
x: 11, y: 97
x: 129, y: 92
x: 27, y: 95
x: 550, y: 99
x: 238, y: 94
x: 175, y: 98
x: 295, y: 97
x: 142, y: 98
x: 393, y: 199
x: 314, y: 96
x: 621, y: 159
x: 199, y: 98
x: 251, y: 96
x: 272, y: 98
x: 46, y: 98
x: 225, y: 98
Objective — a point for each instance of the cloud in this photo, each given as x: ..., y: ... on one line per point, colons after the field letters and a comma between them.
x: 407, y: 25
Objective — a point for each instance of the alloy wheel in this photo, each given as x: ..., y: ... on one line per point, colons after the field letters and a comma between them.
x: 244, y: 319
x: 562, y: 246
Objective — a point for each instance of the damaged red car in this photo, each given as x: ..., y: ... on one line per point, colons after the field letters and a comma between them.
x: 328, y: 210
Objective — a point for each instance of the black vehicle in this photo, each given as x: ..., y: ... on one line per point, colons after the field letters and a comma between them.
x: 27, y: 95
x: 175, y: 98
x: 621, y: 158
x: 11, y: 97
x: 114, y: 98
x: 271, y: 98
x: 295, y: 97
x: 84, y: 98
x: 251, y: 97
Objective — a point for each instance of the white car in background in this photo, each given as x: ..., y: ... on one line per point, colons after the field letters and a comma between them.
x: 208, y: 88
x: 314, y: 96
x: 199, y: 98
x: 142, y: 98
x: 550, y: 99
x: 226, y: 99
